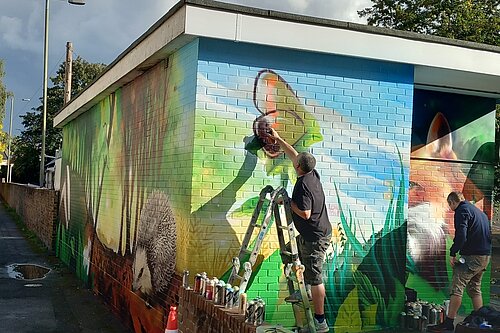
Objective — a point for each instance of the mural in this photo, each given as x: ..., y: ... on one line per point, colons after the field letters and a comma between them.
x: 163, y: 175
x: 452, y: 150
x: 332, y: 113
x: 118, y: 218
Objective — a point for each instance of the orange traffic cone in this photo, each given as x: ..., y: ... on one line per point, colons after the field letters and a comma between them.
x: 172, y: 321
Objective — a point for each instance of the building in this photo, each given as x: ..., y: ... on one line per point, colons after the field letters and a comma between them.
x: 161, y: 162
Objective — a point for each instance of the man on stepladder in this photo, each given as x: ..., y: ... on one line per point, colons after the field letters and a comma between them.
x: 310, y: 218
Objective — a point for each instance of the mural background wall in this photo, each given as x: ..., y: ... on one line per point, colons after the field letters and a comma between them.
x: 163, y: 174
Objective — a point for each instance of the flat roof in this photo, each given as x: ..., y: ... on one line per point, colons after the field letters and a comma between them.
x: 440, y: 63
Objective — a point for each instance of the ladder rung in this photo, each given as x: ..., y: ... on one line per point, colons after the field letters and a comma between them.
x: 246, y: 251
x: 287, y: 253
x: 283, y: 227
x: 255, y: 225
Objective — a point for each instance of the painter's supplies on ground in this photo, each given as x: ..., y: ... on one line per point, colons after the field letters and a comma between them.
x: 256, y: 312
x: 418, y: 315
x: 223, y: 294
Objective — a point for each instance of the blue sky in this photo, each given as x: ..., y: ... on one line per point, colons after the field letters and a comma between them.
x: 100, y: 31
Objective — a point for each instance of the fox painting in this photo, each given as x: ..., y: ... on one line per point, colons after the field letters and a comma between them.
x: 433, y: 176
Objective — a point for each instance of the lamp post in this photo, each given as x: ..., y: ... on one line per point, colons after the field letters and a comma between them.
x: 45, y: 79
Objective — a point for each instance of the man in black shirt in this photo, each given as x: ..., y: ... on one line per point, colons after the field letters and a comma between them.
x: 473, y: 241
x: 311, y: 221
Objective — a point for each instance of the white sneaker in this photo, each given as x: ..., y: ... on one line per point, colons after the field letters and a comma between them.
x: 321, y: 327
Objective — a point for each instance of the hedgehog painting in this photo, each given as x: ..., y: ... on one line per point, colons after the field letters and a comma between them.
x: 155, y: 248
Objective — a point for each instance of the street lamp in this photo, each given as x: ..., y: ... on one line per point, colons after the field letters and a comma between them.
x: 45, y: 79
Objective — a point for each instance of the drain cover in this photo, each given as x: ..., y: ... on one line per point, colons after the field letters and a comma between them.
x: 27, y: 271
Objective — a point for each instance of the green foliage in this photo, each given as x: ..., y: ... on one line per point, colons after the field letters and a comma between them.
x: 365, y: 280
x: 3, y: 99
x: 471, y: 20
x: 26, y: 147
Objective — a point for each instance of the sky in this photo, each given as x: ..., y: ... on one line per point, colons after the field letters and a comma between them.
x: 100, y: 30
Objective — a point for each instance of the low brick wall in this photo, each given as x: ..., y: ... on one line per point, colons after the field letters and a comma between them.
x: 197, y: 315
x: 36, y: 206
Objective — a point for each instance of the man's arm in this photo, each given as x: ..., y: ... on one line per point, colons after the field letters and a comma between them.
x: 290, y: 152
x: 305, y: 214
x: 460, y: 233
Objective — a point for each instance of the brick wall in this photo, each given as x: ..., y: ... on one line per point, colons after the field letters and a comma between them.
x: 37, y: 207
x: 197, y: 315
x: 357, y: 118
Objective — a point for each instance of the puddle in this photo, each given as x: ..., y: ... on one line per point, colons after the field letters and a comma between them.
x: 27, y: 271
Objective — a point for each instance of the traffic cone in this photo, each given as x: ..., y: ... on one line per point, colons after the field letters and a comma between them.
x: 172, y: 326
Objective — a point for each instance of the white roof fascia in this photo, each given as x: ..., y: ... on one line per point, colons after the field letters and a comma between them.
x: 425, y: 55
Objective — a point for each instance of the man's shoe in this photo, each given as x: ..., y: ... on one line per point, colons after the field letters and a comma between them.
x: 444, y: 327
x: 296, y: 297
x: 321, y: 327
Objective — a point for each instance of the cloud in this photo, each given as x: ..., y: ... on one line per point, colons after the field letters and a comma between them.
x: 344, y: 10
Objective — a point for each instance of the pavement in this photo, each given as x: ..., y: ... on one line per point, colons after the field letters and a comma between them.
x: 57, y: 302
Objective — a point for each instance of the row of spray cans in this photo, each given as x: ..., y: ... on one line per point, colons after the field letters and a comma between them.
x: 224, y: 294
x: 418, y: 315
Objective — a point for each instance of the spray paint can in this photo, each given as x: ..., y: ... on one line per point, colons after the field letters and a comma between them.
x: 260, y: 313
x: 185, y: 280
x: 441, y: 311
x: 229, y: 298
x: 209, y: 294
x: 424, y: 323
x: 203, y: 284
x: 425, y: 309
x: 243, y: 303
x: 434, y: 314
x: 224, y: 294
x: 447, y: 304
x: 402, y: 320
x: 197, y: 283
x: 250, y: 312
x: 236, y: 296
x: 217, y: 291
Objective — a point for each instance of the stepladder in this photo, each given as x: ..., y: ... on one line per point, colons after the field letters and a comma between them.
x: 278, y: 206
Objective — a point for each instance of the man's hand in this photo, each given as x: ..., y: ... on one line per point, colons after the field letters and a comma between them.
x: 273, y: 134
x: 453, y: 261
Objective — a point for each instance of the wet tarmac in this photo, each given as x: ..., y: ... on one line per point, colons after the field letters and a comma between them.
x: 38, y: 294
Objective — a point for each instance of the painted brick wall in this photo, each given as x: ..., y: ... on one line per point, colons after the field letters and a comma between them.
x: 37, y: 208
x: 360, y: 115
x: 125, y: 192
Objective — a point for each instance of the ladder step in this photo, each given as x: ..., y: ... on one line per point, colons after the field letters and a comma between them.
x: 283, y: 227
x: 287, y: 253
x: 256, y: 225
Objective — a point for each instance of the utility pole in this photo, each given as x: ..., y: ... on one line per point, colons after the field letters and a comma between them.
x: 9, y: 167
x: 68, y: 72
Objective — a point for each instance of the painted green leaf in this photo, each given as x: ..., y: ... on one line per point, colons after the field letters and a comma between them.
x: 349, y: 317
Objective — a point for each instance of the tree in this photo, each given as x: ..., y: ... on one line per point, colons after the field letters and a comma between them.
x: 27, y: 147
x: 471, y: 20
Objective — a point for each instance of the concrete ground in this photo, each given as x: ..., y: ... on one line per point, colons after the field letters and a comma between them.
x: 60, y: 303
x: 56, y: 303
